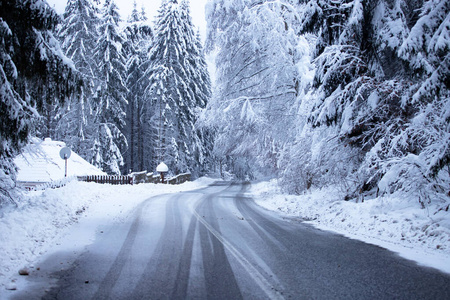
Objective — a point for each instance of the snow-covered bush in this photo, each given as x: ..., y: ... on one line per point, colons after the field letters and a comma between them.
x: 414, y: 157
x: 298, y: 170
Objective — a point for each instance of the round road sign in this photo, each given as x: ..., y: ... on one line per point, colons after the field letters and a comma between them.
x: 65, y: 153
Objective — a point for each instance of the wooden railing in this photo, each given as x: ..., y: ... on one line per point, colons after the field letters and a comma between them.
x: 135, y: 178
x: 107, y: 179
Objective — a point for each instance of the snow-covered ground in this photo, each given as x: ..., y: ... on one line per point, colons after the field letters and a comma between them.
x: 44, y: 218
x: 69, y: 218
x: 422, y: 235
x: 40, y: 162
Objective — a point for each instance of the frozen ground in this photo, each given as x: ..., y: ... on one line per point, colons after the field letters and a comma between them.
x: 394, y: 223
x: 42, y: 221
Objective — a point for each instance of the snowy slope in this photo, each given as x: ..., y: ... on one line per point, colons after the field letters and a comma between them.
x: 40, y: 162
x: 393, y: 223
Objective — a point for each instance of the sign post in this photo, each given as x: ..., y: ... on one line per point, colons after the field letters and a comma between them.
x: 65, y: 154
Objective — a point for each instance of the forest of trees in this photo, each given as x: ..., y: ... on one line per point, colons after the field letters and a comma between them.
x: 123, y: 94
x: 353, y: 93
x: 144, y: 88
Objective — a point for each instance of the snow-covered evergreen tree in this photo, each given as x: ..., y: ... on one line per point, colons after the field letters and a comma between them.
x: 176, y: 89
x: 78, y: 35
x: 139, y: 37
x: 379, y: 97
x: 33, y: 72
x: 111, y: 94
x: 413, y: 155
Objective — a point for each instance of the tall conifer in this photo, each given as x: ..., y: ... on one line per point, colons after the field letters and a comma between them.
x: 33, y: 72
x: 78, y: 35
x: 111, y: 103
x: 175, y: 95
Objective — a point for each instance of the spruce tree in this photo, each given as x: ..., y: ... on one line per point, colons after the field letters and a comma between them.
x: 110, y: 95
x: 33, y: 72
x: 139, y: 36
x: 78, y: 35
x: 174, y: 93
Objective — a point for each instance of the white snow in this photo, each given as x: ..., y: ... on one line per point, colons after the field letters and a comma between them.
x: 373, y: 100
x: 393, y: 223
x: 162, y: 167
x: 40, y: 162
x: 69, y: 217
x: 66, y: 219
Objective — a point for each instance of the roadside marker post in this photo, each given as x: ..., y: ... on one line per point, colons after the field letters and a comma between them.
x: 64, y: 153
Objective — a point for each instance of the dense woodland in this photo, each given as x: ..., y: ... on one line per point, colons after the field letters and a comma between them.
x: 124, y: 94
x: 353, y: 93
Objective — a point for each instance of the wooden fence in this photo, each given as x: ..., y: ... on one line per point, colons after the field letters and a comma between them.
x: 134, y: 178
x: 107, y: 179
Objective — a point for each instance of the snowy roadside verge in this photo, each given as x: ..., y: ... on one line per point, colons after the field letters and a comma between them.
x: 38, y: 224
x: 392, y: 223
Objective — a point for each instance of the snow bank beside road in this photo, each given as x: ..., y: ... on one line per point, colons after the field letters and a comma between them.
x: 38, y: 224
x: 393, y: 223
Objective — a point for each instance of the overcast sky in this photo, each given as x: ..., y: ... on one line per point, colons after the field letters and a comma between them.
x: 151, y: 7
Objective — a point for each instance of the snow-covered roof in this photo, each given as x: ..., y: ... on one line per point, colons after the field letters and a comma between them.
x: 40, y: 162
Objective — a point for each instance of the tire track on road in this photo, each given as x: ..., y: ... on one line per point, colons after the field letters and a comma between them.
x: 159, y: 277
x: 219, y: 276
x: 110, y: 279
x: 222, y: 243
x: 182, y: 278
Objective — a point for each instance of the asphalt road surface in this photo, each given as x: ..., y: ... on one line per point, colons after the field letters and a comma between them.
x: 215, y: 243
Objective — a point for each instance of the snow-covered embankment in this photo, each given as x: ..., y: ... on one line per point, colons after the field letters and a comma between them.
x: 395, y: 223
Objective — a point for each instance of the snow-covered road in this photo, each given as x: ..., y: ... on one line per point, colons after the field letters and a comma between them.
x: 217, y: 243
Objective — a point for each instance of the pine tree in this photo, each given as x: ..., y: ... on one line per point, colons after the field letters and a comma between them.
x: 139, y: 36
x: 174, y: 94
x: 111, y: 101
x: 379, y: 99
x: 78, y: 33
x: 33, y: 72
x: 204, y: 155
